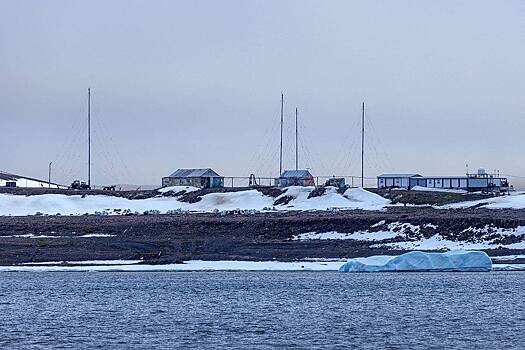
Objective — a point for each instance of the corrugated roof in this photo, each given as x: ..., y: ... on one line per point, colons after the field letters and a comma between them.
x: 399, y: 175
x: 296, y: 174
x: 194, y: 173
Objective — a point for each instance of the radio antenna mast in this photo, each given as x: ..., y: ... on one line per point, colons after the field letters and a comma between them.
x: 363, y: 146
x: 89, y: 137
x: 281, y: 147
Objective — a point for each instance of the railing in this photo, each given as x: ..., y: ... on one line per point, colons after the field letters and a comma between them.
x: 244, y: 181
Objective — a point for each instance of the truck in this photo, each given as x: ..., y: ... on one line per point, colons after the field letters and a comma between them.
x: 79, y: 185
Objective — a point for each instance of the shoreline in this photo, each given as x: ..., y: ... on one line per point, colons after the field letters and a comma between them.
x: 165, y: 239
x: 208, y: 266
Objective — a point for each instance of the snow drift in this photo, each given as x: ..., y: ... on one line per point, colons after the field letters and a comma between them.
x: 252, y: 200
x: 514, y: 201
x: 457, y: 260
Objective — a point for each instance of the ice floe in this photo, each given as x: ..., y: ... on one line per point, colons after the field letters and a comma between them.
x: 420, y: 261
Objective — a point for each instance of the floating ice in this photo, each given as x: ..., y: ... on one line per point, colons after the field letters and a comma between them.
x: 456, y: 260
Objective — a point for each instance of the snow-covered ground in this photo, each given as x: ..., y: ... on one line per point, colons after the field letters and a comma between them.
x: 193, y: 265
x: 431, y: 189
x: 89, y: 235
x: 361, y: 235
x: 199, y: 265
x: 437, y: 242
x: 52, y: 204
x: 514, y: 201
x: 486, y: 237
x: 177, y: 189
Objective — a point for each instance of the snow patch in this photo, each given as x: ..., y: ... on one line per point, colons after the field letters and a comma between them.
x: 513, y: 201
x: 431, y: 189
x: 360, y: 235
x: 177, y: 189
x: 30, y: 235
x: 193, y: 265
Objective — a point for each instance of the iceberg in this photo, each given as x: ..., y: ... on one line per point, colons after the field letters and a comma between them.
x: 456, y: 260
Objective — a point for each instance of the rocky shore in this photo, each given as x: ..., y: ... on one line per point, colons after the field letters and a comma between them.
x: 162, y: 239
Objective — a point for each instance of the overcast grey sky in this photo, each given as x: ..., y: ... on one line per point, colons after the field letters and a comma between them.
x: 198, y: 83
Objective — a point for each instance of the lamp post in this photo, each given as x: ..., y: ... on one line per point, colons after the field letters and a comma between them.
x: 49, y: 175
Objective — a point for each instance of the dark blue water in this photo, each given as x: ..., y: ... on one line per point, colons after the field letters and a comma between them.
x: 262, y: 310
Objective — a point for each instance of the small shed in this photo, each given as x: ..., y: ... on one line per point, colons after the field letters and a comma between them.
x: 398, y: 181
x: 201, y: 178
x: 295, y: 178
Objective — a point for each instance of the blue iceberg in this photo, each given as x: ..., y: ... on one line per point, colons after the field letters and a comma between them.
x: 456, y: 260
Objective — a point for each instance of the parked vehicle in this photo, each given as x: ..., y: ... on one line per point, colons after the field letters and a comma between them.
x: 79, y: 185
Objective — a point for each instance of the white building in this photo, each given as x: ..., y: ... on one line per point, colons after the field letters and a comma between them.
x: 481, y: 181
x: 12, y: 180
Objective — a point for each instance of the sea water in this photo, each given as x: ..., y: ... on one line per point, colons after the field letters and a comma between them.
x: 261, y: 310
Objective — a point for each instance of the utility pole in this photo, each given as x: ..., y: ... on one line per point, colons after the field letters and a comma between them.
x: 281, y: 148
x: 296, y: 142
x: 363, y: 146
x: 89, y: 137
x: 49, y: 175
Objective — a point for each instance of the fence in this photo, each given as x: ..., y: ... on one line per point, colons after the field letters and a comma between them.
x: 246, y: 181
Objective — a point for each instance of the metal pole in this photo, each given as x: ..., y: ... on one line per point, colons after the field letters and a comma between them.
x: 89, y: 137
x: 49, y: 175
x: 281, y: 147
x: 363, y: 146
x: 296, y: 142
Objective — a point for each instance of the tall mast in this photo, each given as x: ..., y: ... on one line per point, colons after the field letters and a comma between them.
x: 281, y: 147
x: 296, y: 142
x: 89, y: 137
x: 363, y: 146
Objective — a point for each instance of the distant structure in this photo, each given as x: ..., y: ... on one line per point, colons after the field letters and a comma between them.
x: 481, y: 181
x: 295, y: 178
x: 12, y: 181
x: 201, y: 178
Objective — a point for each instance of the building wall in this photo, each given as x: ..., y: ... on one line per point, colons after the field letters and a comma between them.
x: 389, y: 182
x: 292, y: 181
x: 199, y: 182
x: 459, y: 182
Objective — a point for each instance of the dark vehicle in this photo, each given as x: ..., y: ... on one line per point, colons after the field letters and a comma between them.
x: 109, y: 188
x: 77, y: 185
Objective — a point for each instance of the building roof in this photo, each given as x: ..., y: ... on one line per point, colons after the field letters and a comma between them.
x: 194, y: 173
x: 301, y: 174
x: 13, y: 177
x: 399, y: 175
x: 444, y: 177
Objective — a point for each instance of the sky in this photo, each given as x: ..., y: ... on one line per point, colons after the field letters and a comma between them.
x: 183, y: 84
